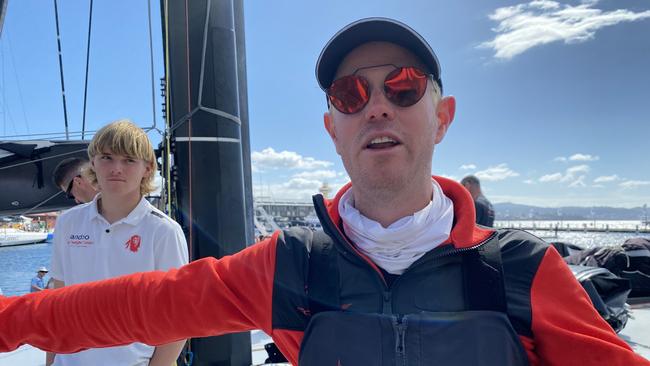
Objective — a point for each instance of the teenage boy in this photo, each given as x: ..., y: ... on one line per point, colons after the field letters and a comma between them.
x: 117, y: 233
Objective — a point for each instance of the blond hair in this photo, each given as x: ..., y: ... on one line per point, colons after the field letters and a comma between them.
x: 123, y: 137
x: 437, y: 93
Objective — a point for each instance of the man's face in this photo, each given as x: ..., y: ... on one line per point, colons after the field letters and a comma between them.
x: 79, y: 189
x: 118, y: 174
x: 414, y: 129
x: 41, y: 274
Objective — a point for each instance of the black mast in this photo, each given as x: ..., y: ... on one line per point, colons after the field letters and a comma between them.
x: 209, y: 129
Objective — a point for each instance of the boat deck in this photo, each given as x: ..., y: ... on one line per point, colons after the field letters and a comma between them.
x: 636, y: 333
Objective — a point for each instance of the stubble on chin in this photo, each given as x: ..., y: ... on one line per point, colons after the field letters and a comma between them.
x: 381, y: 184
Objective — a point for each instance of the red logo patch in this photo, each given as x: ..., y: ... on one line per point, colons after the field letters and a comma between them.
x: 133, y: 244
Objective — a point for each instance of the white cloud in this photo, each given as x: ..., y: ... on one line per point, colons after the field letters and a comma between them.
x: 320, y: 175
x: 555, y: 177
x: 607, y: 178
x: 574, y: 170
x: 543, y: 4
x: 269, y: 159
x: 575, y: 175
x: 577, y: 157
x: 529, y: 181
x: 583, y: 157
x: 496, y: 173
x: 295, y: 189
x: 634, y: 183
x: 524, y: 26
x: 467, y: 167
x: 578, y: 183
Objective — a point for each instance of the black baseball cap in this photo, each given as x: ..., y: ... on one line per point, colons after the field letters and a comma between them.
x: 373, y: 30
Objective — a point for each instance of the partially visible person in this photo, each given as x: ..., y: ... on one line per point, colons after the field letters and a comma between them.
x: 484, y: 210
x: 68, y: 176
x: 117, y: 232
x: 37, y: 282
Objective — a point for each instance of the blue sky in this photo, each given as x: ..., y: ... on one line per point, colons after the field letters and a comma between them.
x: 553, y: 97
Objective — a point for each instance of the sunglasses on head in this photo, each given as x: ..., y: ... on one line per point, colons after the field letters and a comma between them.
x: 68, y: 191
x: 403, y: 87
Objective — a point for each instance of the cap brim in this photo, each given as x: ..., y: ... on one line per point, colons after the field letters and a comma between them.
x: 372, y: 30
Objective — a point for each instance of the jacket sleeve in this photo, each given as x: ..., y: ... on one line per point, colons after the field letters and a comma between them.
x: 567, y: 329
x: 206, y: 297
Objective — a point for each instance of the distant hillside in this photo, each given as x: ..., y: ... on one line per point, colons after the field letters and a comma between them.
x: 513, y: 211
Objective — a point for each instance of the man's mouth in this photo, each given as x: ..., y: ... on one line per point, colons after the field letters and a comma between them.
x: 382, y: 142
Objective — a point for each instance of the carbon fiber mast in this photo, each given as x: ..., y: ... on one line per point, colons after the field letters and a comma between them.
x: 208, y: 127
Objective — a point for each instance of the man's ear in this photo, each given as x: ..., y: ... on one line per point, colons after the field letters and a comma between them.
x: 328, y: 122
x: 445, y: 111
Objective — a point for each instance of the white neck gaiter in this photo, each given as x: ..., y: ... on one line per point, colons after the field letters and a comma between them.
x: 396, y: 247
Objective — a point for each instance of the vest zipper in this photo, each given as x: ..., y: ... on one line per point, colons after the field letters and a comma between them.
x: 400, y: 341
x: 445, y: 254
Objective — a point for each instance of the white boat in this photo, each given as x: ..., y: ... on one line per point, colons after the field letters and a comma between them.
x: 10, y: 237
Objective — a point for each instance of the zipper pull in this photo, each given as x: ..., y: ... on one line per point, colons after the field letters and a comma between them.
x: 388, y: 303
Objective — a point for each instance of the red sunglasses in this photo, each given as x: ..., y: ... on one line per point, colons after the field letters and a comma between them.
x: 403, y: 87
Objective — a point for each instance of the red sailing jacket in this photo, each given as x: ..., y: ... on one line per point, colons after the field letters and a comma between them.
x: 257, y: 288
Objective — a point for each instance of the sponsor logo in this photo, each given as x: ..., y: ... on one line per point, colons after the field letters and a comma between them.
x: 133, y: 244
x: 79, y: 237
x: 80, y: 240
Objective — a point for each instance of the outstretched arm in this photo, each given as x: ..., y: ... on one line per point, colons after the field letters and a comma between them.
x: 206, y: 297
x: 49, y: 356
x: 567, y: 329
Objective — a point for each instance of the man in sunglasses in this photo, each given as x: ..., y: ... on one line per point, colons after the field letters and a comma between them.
x: 400, y: 273
x: 68, y: 176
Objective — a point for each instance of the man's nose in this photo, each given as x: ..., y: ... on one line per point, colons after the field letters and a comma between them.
x: 379, y: 107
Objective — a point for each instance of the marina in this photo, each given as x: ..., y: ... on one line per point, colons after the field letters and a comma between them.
x: 584, y: 226
x: 11, y: 237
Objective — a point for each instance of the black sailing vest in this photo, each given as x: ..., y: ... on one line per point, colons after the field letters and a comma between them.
x: 342, y: 334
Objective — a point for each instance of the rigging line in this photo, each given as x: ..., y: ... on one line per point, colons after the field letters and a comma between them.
x: 205, y: 42
x: 11, y: 118
x: 83, y: 119
x: 189, y: 127
x: 58, y: 41
x: 6, y: 112
x: 42, y: 159
x: 167, y: 113
x: 4, y: 101
x: 45, y: 134
x: 153, y: 94
x: 184, y: 119
x: 20, y: 91
x: 41, y: 203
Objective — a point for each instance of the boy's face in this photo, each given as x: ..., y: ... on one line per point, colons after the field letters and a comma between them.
x: 119, y: 175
